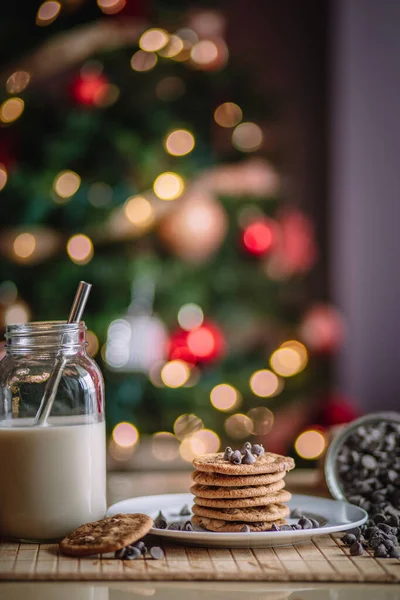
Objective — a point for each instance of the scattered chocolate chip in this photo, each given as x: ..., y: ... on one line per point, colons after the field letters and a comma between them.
x: 236, y: 457
x: 140, y: 545
x: 248, y: 458
x: 245, y: 529
x: 228, y: 453
x: 257, y: 449
x: 128, y: 553
x: 286, y: 528
x: 315, y: 523
x: 185, y: 511
x: 246, y: 446
x: 275, y: 527
x: 349, y: 539
x: 305, y: 523
x: 380, y: 552
x: 394, y: 552
x: 175, y: 526
x: 187, y: 526
x: 356, y: 549
x: 296, y: 513
x: 296, y: 526
x: 156, y: 552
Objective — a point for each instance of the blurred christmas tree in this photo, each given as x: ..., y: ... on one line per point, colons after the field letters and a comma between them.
x: 133, y: 155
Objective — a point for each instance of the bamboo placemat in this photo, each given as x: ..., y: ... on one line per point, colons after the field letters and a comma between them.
x: 323, y: 559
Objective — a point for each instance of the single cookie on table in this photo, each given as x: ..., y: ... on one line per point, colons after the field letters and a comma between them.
x: 266, y: 463
x: 232, y: 527
x: 106, y: 535
x: 223, y: 503
x: 271, y: 512
x: 228, y: 481
x: 207, y: 491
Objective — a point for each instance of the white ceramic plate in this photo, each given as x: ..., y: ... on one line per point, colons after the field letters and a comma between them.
x: 333, y: 515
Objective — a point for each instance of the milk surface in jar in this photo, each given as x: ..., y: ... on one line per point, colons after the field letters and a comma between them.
x: 52, y: 476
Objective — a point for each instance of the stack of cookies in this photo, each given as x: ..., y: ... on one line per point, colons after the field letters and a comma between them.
x: 240, y: 490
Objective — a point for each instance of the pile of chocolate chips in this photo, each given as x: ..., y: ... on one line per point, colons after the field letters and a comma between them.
x: 246, y: 456
x: 136, y: 550
x: 160, y: 522
x: 368, y: 467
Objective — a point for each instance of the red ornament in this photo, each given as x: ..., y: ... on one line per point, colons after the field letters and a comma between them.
x: 259, y: 237
x: 337, y: 410
x: 296, y: 250
x: 90, y: 89
x: 202, y: 344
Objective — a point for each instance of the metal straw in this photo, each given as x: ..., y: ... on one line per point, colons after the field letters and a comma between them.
x: 50, y: 392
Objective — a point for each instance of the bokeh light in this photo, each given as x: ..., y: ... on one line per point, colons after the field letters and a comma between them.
x: 190, y: 316
x: 17, y: 82
x: 100, y: 194
x: 203, y: 441
x: 138, y: 211
x: 201, y: 342
x: 125, y: 435
x: 228, y: 114
x: 186, y: 451
x: 265, y: 383
x: 164, y: 446
x: 24, y: 245
x: 80, y: 249
x: 16, y: 313
x: 168, y: 186
x: 92, y: 343
x: 238, y: 426
x: 204, y: 52
x: 286, y: 362
x: 66, y: 184
x: 3, y: 176
x: 175, y: 373
x: 300, y: 349
x: 258, y: 237
x: 247, y: 137
x: 310, y: 444
x: 186, y: 425
x: 179, y: 142
x: 111, y: 7
x: 120, y: 453
x: 225, y: 397
x: 153, y: 40
x: 118, y: 343
x: 11, y: 109
x: 262, y: 420
x: 173, y: 48
x: 143, y: 61
x: 47, y: 13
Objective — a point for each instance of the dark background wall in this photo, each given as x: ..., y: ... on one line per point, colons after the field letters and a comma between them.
x: 365, y: 215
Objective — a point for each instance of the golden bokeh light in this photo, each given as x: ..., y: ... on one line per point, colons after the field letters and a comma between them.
x: 204, y: 441
x: 47, y: 13
x: 168, y: 186
x: 154, y: 374
x: 11, y: 109
x: 262, y: 420
x: 310, y: 444
x: 125, y: 434
x: 247, y: 137
x: 265, y: 383
x: 204, y: 52
x: 173, y: 48
x: 300, y: 349
x: 225, y: 397
x: 24, y: 245
x: 286, y: 362
x: 179, y: 142
x: 17, y: 82
x: 153, y: 40
x: 139, y: 211
x: 143, y: 61
x: 186, y: 425
x: 66, y: 184
x: 238, y: 426
x: 80, y: 249
x: 190, y: 316
x: 3, y: 176
x: 16, y: 313
x: 188, y: 36
x: 120, y: 453
x: 164, y: 446
x: 186, y: 450
x: 92, y: 343
x: 175, y: 373
x: 111, y: 7
x: 228, y: 114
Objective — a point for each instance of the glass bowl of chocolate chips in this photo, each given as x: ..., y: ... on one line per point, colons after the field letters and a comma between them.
x: 362, y: 463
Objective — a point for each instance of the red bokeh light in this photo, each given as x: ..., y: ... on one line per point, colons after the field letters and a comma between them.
x: 205, y: 343
x: 90, y: 89
x: 258, y: 238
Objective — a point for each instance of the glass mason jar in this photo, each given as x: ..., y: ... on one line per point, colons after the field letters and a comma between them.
x: 52, y: 476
